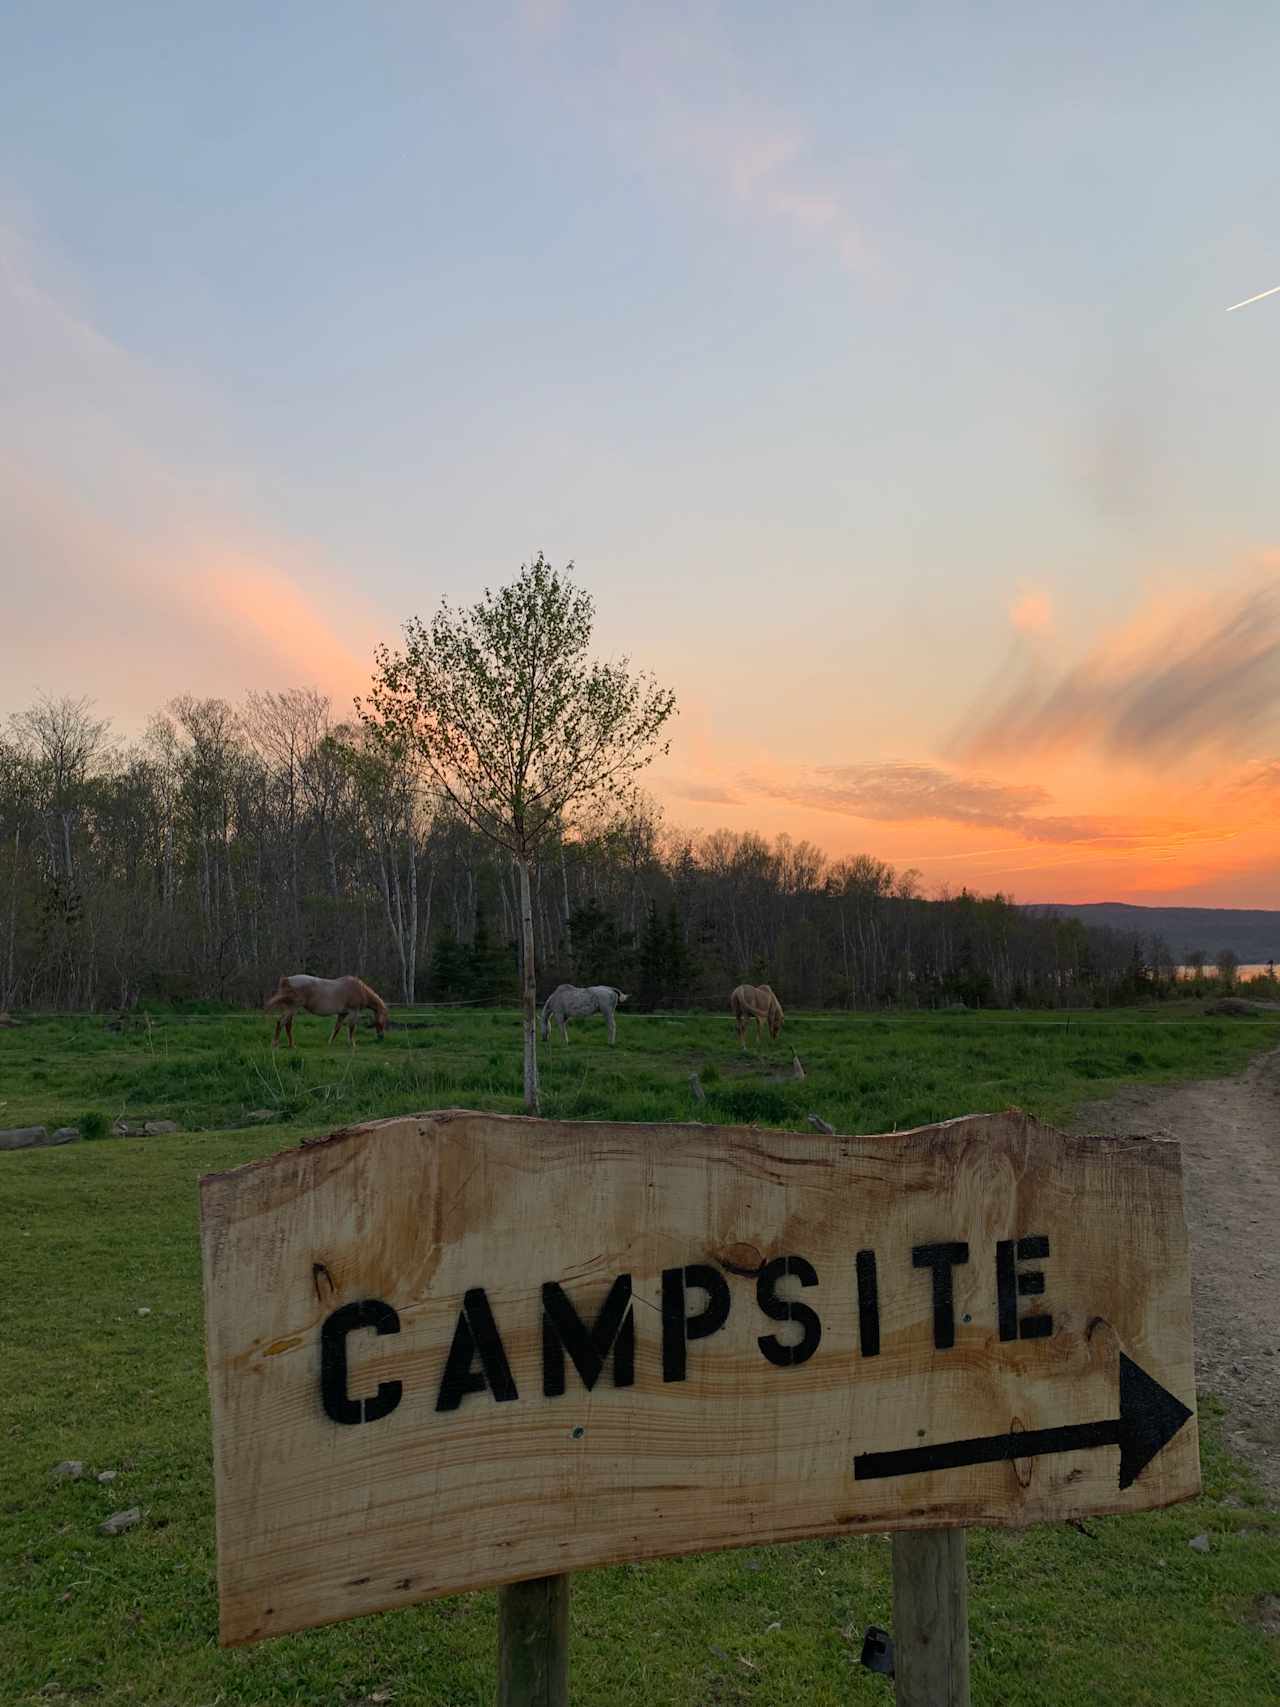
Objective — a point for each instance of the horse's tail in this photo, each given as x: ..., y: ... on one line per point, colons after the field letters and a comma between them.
x: 278, y: 997
x: 620, y: 994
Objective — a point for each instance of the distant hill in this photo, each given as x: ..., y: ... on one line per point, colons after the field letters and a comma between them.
x: 1254, y: 933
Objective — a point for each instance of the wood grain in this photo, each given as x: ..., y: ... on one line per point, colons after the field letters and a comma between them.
x: 930, y: 1618
x: 319, y: 1520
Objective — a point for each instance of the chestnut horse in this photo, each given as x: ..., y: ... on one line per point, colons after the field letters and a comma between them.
x: 755, y: 1002
x: 343, y: 997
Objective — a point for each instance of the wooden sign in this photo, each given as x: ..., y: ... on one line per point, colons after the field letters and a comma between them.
x: 457, y: 1350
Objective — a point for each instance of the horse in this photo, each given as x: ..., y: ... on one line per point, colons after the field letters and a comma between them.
x: 299, y: 992
x: 568, y: 1002
x: 755, y: 1002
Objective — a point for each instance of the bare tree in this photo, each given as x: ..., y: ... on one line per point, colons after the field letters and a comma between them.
x: 520, y: 729
x: 65, y: 741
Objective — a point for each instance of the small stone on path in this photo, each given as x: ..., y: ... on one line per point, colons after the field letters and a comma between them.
x: 70, y: 1468
x: 107, y: 1475
x: 1199, y: 1544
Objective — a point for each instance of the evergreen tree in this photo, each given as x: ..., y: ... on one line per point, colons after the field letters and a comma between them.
x: 450, y: 976
x: 493, y: 975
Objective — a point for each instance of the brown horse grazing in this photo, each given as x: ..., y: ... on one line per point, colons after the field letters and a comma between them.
x: 343, y: 997
x: 755, y: 1002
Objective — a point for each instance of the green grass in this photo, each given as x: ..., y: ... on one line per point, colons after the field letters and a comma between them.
x: 864, y: 1073
x: 94, y: 1233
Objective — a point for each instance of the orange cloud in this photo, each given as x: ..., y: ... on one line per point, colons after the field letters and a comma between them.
x: 138, y: 618
x: 1032, y: 612
x: 278, y: 614
x: 914, y: 793
x: 1180, y: 679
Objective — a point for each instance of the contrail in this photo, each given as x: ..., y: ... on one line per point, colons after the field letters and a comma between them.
x: 1249, y: 299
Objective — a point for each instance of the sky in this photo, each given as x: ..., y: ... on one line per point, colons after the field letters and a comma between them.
x: 872, y: 365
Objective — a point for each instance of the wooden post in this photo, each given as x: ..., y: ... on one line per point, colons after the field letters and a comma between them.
x: 930, y: 1618
x: 533, y: 1643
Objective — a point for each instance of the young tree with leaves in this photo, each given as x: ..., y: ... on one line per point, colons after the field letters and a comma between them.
x: 518, y: 726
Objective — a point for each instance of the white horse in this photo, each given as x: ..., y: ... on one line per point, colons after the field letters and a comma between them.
x: 569, y: 1002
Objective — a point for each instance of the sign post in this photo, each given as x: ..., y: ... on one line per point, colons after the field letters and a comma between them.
x: 533, y: 1643
x: 930, y: 1618
x: 458, y: 1350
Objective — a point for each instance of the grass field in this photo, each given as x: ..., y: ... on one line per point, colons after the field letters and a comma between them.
x: 94, y: 1234
x: 863, y: 1073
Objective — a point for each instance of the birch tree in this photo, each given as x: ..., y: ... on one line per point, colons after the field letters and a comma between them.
x: 517, y: 725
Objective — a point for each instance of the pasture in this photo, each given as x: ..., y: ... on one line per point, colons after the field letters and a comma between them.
x: 101, y: 1320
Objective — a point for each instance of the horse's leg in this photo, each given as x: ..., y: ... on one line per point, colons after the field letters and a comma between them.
x: 352, y: 1021
x: 288, y: 1028
x: 275, y: 1036
x: 337, y: 1027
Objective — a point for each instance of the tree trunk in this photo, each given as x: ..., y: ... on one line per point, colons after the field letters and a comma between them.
x: 529, y: 992
x: 9, y: 994
x: 564, y: 879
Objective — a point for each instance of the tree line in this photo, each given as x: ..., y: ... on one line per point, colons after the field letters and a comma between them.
x: 231, y: 843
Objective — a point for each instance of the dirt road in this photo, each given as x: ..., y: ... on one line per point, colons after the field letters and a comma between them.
x: 1229, y: 1130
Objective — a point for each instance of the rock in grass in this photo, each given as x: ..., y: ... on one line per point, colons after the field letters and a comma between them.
x: 70, y: 1469
x: 257, y: 1116
x: 1199, y: 1544
x: 23, y: 1137
x: 154, y: 1128
x: 119, y: 1521
x: 107, y: 1475
x: 66, y: 1135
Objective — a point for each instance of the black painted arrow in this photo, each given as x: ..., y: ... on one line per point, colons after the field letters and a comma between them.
x: 1149, y: 1418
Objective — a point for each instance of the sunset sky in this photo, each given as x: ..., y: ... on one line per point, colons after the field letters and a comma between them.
x: 871, y: 363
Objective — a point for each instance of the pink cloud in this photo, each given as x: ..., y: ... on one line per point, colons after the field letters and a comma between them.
x: 133, y: 577
x: 1032, y: 611
x: 765, y: 171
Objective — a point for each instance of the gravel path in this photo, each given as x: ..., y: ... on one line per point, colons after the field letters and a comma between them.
x: 1229, y: 1130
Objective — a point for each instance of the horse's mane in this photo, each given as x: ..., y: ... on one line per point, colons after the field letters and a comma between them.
x: 372, y: 997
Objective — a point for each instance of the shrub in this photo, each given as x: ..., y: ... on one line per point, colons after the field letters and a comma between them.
x: 94, y: 1125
